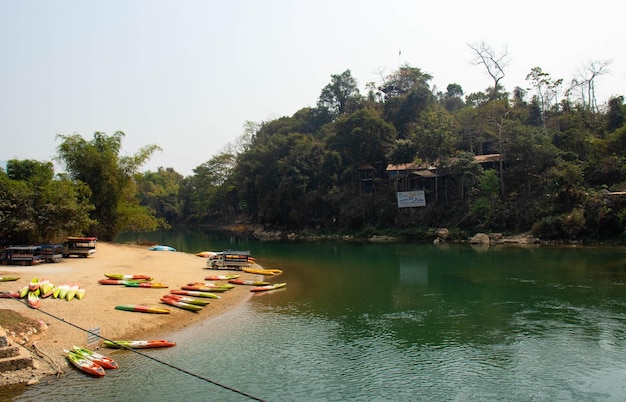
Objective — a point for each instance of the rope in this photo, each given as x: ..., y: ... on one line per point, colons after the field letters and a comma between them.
x: 182, y: 370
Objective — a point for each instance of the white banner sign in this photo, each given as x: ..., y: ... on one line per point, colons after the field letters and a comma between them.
x: 409, y: 199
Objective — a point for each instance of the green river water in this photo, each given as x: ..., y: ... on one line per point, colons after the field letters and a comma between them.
x: 364, y: 321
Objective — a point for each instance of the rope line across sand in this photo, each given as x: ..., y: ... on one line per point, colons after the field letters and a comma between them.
x: 182, y: 370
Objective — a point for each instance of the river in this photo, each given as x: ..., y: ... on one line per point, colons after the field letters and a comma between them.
x: 391, y: 322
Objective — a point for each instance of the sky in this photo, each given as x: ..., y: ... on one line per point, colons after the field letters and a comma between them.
x: 187, y: 75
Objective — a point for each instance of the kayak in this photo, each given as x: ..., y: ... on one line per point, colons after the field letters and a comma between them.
x: 128, y: 276
x: 80, y: 293
x: 46, y: 287
x: 133, y: 284
x: 212, y: 284
x: 205, y: 288
x: 160, y: 343
x: 63, y: 289
x: 206, y: 254
x: 162, y: 248
x: 268, y: 287
x: 71, y: 292
x: 33, y: 285
x: 221, y: 277
x: 23, y: 292
x: 194, y: 293
x: 8, y: 278
x: 85, y: 364
x: 180, y: 304
x: 187, y: 299
x: 248, y: 282
x: 139, y: 308
x: 33, y: 299
x: 262, y: 271
x: 101, y: 360
x: 108, y: 281
x: 9, y: 295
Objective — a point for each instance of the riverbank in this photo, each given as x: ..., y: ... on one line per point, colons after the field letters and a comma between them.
x: 62, y: 324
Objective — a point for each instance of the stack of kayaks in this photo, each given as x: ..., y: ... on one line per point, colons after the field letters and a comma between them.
x: 41, y: 289
x: 90, y: 362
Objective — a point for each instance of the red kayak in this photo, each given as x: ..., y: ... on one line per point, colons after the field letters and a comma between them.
x: 85, y: 364
x: 194, y: 293
x: 101, y: 360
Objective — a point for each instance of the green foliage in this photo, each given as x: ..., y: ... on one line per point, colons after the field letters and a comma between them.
x: 35, y: 207
x: 109, y: 176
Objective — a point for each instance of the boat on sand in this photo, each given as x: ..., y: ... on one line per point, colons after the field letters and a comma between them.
x: 126, y: 344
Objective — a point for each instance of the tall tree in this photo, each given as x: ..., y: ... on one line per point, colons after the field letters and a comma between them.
x: 546, y: 90
x: 494, y: 62
x: 341, y: 95
x: 110, y: 178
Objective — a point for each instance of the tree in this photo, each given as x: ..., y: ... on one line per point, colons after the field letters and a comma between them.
x: 35, y: 207
x: 110, y: 178
x: 403, y: 81
x: 340, y: 95
x: 546, y: 89
x: 494, y: 62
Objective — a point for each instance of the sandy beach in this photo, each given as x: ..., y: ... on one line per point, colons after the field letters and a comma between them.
x: 97, y: 308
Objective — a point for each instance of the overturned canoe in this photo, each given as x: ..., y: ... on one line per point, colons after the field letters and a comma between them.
x: 161, y: 248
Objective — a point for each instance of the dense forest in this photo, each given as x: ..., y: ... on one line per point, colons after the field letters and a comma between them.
x: 556, y: 166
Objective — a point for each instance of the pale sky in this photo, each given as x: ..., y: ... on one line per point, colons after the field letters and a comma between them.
x: 186, y: 75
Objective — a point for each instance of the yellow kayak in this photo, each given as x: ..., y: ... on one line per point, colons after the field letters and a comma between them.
x: 262, y: 271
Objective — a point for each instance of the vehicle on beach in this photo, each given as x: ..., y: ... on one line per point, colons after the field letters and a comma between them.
x: 52, y: 252
x: 21, y: 255
x: 230, y: 259
x: 79, y: 246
